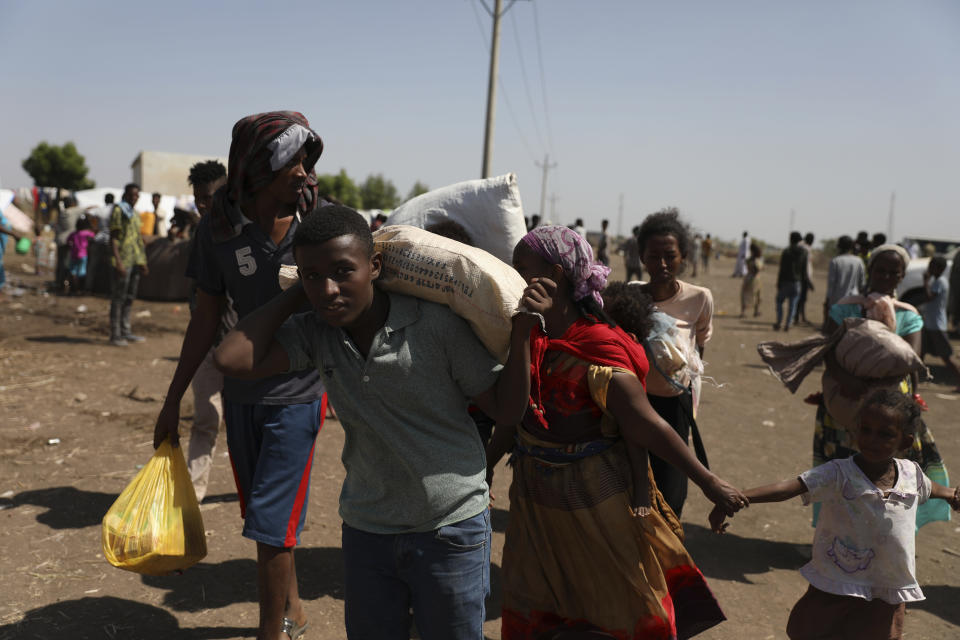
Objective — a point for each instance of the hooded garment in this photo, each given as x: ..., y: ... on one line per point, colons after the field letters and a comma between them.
x: 262, y: 144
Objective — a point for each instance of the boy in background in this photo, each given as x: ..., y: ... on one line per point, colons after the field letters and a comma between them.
x: 934, y: 313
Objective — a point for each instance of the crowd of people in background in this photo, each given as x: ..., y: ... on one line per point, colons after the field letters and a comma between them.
x: 597, y: 405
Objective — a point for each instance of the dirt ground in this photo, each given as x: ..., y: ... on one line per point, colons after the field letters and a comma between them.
x: 76, y: 421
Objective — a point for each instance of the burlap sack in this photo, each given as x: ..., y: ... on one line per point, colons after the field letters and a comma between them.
x: 868, y: 349
x: 478, y: 287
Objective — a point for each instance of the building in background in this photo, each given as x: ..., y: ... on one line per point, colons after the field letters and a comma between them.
x: 158, y: 171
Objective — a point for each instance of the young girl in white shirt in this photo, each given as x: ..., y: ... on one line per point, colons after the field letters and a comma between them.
x: 862, y: 570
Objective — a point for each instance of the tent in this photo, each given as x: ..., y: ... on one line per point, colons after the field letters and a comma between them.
x: 94, y: 198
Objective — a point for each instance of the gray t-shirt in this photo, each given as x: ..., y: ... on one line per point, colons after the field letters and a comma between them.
x: 845, y: 277
x: 413, y: 457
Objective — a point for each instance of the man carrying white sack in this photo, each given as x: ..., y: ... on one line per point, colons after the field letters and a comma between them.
x: 401, y: 372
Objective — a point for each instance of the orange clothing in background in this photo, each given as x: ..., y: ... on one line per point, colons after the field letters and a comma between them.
x: 148, y: 222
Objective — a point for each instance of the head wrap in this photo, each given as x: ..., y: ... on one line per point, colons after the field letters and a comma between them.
x: 262, y: 144
x: 900, y: 251
x: 567, y: 248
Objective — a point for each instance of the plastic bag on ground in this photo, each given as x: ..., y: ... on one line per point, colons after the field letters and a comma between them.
x: 155, y: 526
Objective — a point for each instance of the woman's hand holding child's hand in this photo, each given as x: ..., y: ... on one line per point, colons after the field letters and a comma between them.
x: 725, y: 496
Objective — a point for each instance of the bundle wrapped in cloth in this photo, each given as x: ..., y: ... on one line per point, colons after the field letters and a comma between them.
x: 478, y: 287
x: 860, y: 356
x: 677, y: 360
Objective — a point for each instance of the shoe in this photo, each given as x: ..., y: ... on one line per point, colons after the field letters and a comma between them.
x: 290, y: 628
x: 119, y: 342
x: 786, y: 328
x: 776, y: 326
x: 132, y: 338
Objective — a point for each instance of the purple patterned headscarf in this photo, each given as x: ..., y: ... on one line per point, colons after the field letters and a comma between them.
x: 566, y: 247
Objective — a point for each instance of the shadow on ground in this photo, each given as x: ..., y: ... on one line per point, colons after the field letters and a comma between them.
x: 67, y: 507
x: 498, y: 519
x: 319, y: 570
x: 731, y: 557
x: 941, y: 601
x: 61, y: 339
x: 108, y: 617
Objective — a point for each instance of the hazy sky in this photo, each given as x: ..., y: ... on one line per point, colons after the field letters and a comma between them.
x: 735, y: 112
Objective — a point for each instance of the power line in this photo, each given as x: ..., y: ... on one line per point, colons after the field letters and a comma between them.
x: 543, y: 81
x: 526, y: 82
x: 503, y: 89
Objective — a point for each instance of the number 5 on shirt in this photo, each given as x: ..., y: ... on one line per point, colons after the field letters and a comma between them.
x: 245, y: 261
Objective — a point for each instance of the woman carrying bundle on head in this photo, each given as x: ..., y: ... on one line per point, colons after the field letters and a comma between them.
x: 833, y: 440
x: 578, y: 560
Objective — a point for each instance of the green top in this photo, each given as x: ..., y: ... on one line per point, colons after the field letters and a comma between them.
x: 413, y: 456
x: 126, y: 229
x: 907, y: 321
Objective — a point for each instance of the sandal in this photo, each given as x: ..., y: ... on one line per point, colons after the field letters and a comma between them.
x: 292, y: 630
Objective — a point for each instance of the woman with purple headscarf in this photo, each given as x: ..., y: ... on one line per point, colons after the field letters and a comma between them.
x: 577, y: 560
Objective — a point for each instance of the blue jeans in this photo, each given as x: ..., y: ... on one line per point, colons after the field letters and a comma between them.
x: 789, y: 291
x: 443, y: 575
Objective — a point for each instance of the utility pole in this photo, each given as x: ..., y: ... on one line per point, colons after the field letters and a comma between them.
x: 546, y: 166
x: 893, y: 198
x: 793, y: 221
x: 620, y: 218
x: 496, y: 14
x: 553, y: 206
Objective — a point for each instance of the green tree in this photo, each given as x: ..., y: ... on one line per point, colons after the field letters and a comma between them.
x: 340, y: 187
x: 378, y: 193
x: 417, y: 189
x: 61, y: 167
x: 57, y: 166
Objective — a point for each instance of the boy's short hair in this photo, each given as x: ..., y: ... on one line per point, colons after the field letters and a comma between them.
x: 629, y: 307
x: 844, y: 244
x: 795, y: 237
x: 938, y: 262
x: 332, y: 221
x: 206, y: 172
x: 129, y: 186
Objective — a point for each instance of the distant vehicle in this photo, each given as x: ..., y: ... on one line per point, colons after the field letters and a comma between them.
x: 911, y: 287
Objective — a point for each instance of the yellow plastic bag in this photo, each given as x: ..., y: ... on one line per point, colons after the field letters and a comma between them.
x: 155, y: 526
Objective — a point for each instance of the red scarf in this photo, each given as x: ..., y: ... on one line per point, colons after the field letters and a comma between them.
x: 596, y: 342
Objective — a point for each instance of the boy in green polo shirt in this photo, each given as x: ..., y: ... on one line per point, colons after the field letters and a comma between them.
x: 401, y: 372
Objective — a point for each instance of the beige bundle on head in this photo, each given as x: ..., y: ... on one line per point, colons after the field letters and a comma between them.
x: 478, y: 287
x: 867, y: 357
x: 861, y: 356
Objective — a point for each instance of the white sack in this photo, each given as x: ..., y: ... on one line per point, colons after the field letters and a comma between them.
x: 490, y: 210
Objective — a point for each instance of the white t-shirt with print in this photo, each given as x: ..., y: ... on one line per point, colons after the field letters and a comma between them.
x: 864, y: 544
